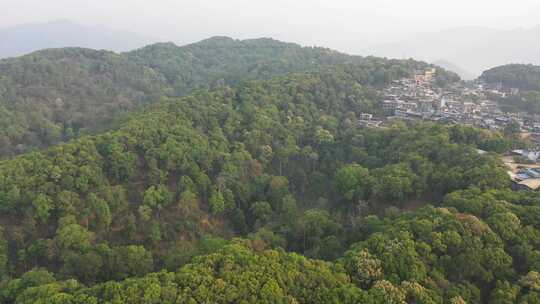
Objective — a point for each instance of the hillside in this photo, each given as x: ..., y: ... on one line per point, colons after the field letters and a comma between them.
x: 280, y: 163
x: 54, y: 95
x: 474, y: 49
x: 23, y: 39
x: 521, y: 76
x: 51, y: 95
x: 524, y: 77
x: 222, y: 60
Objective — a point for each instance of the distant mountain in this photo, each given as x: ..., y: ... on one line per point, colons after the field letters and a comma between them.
x: 27, y: 38
x: 464, y: 74
x: 475, y: 49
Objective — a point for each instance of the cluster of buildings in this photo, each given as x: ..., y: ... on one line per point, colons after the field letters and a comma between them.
x: 471, y: 104
x: 417, y: 98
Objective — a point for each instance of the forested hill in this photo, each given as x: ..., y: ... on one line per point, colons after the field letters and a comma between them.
x: 223, y: 60
x: 51, y: 95
x: 522, y: 76
x: 279, y: 163
x: 525, y: 77
x: 55, y: 95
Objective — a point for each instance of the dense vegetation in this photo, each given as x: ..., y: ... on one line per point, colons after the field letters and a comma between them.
x: 56, y: 95
x: 53, y: 95
x: 282, y: 164
x: 521, y: 76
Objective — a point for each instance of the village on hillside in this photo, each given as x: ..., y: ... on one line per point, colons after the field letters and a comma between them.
x: 473, y: 104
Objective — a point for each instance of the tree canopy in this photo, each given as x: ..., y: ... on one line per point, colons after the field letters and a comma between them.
x: 56, y: 95
x: 269, y: 191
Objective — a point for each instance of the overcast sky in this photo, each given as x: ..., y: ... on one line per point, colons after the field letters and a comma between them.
x: 346, y: 25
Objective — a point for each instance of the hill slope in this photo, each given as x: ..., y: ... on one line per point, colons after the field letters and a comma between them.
x: 281, y: 163
x: 54, y: 95
x: 522, y: 76
x: 525, y: 77
x: 49, y: 96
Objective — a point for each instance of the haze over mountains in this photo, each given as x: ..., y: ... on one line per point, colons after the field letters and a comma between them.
x: 472, y: 49
x: 450, y: 66
x: 26, y: 38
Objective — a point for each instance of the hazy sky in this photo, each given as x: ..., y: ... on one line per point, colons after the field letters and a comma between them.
x: 346, y: 25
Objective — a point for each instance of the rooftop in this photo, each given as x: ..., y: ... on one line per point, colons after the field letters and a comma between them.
x: 531, y: 183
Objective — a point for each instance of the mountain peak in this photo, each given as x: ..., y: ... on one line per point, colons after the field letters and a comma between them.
x: 219, y: 39
x: 216, y: 40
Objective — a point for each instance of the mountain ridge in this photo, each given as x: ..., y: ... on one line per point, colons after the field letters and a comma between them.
x: 52, y: 95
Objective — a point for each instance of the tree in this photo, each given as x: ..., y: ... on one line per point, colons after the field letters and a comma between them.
x: 352, y: 181
x: 330, y: 248
x: 131, y: 261
x: 323, y: 136
x: 386, y: 292
x: 3, y: 255
x: 507, y: 225
x: 42, y: 205
x: 157, y: 198
x: 313, y: 226
x: 262, y: 212
x: 504, y: 293
x: 289, y: 211
x: 154, y: 233
x: 34, y: 278
x: 531, y: 281
x: 512, y: 128
x: 86, y: 267
x: 364, y: 268
x: 239, y: 220
x: 73, y: 238
x: 103, y: 217
x: 393, y: 182
x: 217, y: 202
x: 68, y: 202
x: 145, y: 213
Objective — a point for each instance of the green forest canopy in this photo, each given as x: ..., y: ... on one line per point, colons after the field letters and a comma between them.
x: 55, y: 95
x: 522, y: 76
x: 282, y: 164
x: 525, y: 77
